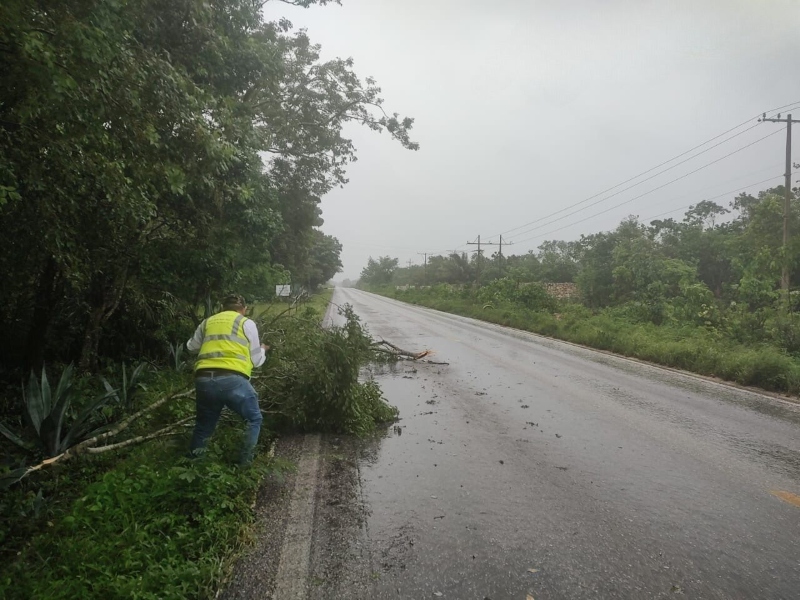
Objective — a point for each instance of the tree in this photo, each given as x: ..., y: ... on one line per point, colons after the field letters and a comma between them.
x: 324, y: 261
x: 704, y: 214
x: 131, y: 173
x: 379, y: 272
x: 557, y: 261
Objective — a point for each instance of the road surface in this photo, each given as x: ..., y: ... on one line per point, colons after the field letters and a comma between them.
x: 532, y: 468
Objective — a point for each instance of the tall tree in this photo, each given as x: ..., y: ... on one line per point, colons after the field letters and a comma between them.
x: 131, y: 169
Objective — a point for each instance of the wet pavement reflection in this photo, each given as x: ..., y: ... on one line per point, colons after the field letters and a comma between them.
x: 530, y: 467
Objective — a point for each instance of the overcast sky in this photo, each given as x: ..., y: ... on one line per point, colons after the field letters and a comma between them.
x: 525, y: 107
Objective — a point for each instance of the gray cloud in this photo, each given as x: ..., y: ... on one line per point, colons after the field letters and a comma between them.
x: 525, y: 107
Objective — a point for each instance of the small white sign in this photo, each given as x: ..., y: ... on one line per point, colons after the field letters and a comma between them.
x: 283, y: 291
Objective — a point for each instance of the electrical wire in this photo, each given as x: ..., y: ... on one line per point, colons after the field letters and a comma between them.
x: 741, y: 189
x: 791, y: 104
x: 626, y: 202
x: 670, y: 182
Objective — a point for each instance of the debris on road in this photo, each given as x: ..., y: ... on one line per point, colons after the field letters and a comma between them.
x: 388, y: 348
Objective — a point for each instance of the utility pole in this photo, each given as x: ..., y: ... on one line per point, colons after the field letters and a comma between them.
x: 425, y: 268
x: 501, y: 245
x: 479, y: 244
x: 787, y: 195
x: 501, y: 252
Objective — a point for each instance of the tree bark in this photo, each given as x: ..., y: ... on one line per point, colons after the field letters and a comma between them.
x: 104, y: 299
x: 42, y: 315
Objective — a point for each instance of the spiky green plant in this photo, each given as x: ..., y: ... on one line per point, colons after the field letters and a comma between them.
x: 46, y: 412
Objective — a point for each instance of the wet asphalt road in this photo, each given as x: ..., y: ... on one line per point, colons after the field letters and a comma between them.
x: 528, y: 467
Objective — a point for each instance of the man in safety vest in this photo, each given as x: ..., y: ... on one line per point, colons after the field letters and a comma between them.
x: 228, y: 348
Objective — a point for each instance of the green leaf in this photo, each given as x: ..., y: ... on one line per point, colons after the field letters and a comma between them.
x: 80, y: 427
x: 34, y: 405
x: 47, y: 396
x: 12, y: 477
x: 63, y: 397
x: 14, y: 437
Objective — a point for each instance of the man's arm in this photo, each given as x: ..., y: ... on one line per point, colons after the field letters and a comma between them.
x: 196, y: 341
x: 258, y: 350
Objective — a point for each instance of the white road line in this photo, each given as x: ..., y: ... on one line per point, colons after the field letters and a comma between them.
x: 291, y: 582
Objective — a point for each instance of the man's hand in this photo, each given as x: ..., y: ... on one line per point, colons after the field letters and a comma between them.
x: 265, y: 348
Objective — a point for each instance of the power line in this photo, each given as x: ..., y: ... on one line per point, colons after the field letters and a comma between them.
x: 638, y: 183
x: 659, y: 165
x: 695, y: 193
x: 670, y: 182
x: 787, y: 194
x: 713, y: 197
x: 772, y: 110
x: 541, y: 235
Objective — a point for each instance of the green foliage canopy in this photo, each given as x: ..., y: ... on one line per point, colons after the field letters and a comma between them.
x: 153, y: 155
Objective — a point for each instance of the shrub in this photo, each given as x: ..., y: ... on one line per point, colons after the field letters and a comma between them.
x: 312, y: 381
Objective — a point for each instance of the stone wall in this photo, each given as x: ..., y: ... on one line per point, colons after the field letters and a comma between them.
x: 562, y: 291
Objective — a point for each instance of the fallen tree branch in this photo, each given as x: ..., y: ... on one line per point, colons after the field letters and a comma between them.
x: 87, y: 445
x: 389, y: 348
x: 125, y: 423
x: 166, y: 431
x: 434, y: 362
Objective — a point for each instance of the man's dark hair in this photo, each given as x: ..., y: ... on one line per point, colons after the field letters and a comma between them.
x: 233, y: 302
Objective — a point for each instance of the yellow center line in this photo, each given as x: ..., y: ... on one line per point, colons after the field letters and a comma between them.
x: 793, y: 499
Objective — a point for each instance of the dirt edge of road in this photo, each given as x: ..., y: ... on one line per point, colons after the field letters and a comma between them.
x: 330, y: 548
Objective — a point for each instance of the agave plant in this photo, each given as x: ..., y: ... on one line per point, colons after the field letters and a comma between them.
x: 176, y: 353
x: 46, y: 410
x: 124, y: 394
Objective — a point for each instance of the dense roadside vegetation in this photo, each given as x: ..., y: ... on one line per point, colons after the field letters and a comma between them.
x: 702, y: 294
x: 154, y: 157
x: 144, y: 521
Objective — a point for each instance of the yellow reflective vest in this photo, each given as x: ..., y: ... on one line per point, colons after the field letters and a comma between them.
x: 225, y: 346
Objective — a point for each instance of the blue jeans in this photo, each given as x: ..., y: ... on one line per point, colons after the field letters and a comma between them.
x: 217, y: 391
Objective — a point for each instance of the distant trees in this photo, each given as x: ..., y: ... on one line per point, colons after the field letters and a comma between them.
x: 379, y: 272
x: 716, y: 257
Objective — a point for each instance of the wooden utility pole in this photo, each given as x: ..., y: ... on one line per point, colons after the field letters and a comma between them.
x: 787, y: 195
x: 425, y: 268
x: 502, y: 270
x: 501, y: 245
x: 478, y: 266
x: 479, y: 244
